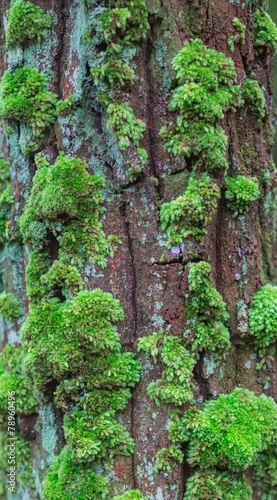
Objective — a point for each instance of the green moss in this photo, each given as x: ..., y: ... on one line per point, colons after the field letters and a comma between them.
x: 27, y: 23
x: 241, y: 192
x: 254, y: 98
x: 67, y: 479
x: 125, y: 125
x: 130, y: 495
x: 189, y: 214
x: 265, y: 471
x: 10, y: 308
x: 167, y: 458
x: 229, y: 432
x: 115, y: 73
x: 121, y: 26
x: 6, y: 200
x: 263, y: 318
x: 124, y: 23
x: 24, y: 97
x: 207, y: 90
x: 239, y: 36
x: 12, y: 378
x: 175, y: 384
x: 211, y: 484
x: 206, y: 314
x: 265, y: 31
x: 65, y: 106
x: 92, y: 437
x: 67, y: 203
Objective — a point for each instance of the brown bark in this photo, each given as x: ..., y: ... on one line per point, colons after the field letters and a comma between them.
x: 150, y: 291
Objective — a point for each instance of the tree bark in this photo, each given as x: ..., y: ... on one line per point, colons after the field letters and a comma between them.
x: 150, y: 280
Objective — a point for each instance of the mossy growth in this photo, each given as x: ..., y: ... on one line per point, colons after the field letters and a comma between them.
x: 254, y: 98
x: 189, y: 214
x: 125, y: 125
x: 27, y: 23
x: 121, y: 26
x: 263, y: 319
x: 130, y: 495
x: 241, y: 192
x: 10, y: 308
x: 12, y: 378
x: 65, y: 106
x: 24, y: 97
x: 229, y: 432
x: 206, y: 314
x: 239, y: 36
x: 212, y: 483
x: 265, y: 473
x: 67, y: 479
x: 124, y: 23
x: 6, y: 200
x: 66, y: 203
x: 265, y: 32
x: 115, y: 72
x: 75, y: 343
x: 206, y: 91
x: 175, y: 384
x: 167, y: 458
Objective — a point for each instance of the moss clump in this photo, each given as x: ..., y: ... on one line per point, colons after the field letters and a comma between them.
x: 211, y: 484
x: 6, y: 200
x: 24, y: 97
x: 115, y: 72
x: 27, y: 23
x: 239, y: 36
x: 207, y: 89
x: 206, y: 314
x: 241, y: 192
x: 65, y: 106
x: 263, y: 318
x: 175, y: 385
x: 10, y: 308
x: 265, y: 471
x: 254, y: 99
x: 130, y: 495
x: 124, y: 23
x: 67, y: 203
x: 92, y: 437
x: 12, y: 378
x: 228, y: 433
x: 167, y: 458
x: 121, y: 26
x: 265, y: 32
x: 189, y: 214
x: 67, y: 479
x: 125, y: 125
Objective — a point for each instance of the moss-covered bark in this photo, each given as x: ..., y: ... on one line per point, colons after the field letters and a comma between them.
x: 186, y: 194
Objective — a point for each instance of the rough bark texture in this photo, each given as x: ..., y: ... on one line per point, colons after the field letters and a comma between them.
x: 151, y: 290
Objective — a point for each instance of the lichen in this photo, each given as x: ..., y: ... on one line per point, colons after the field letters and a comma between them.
x: 27, y: 23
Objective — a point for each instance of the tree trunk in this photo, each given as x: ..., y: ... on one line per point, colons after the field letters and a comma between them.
x: 149, y: 279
